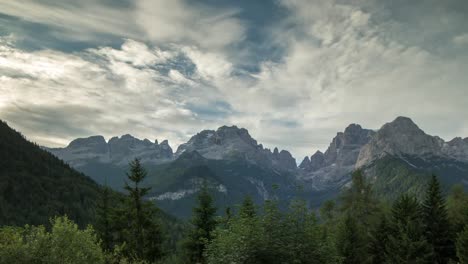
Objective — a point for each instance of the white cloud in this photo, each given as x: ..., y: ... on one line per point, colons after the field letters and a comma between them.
x: 339, y: 67
x: 112, y: 88
x: 184, y: 22
x: 78, y: 20
x: 461, y: 39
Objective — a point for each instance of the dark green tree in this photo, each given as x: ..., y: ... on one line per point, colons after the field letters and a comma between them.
x: 457, y: 208
x: 462, y: 246
x: 143, y: 234
x: 247, y: 208
x: 437, y: 225
x: 359, y: 200
x: 204, y: 222
x: 406, y: 242
x: 378, y: 241
x: 351, y: 242
x: 103, y: 219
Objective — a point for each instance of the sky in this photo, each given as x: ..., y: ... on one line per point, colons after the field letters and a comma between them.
x: 292, y: 72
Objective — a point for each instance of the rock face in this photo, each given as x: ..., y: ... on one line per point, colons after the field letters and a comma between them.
x: 404, y: 137
x: 223, y: 144
x: 357, y: 147
x: 324, y: 170
x: 232, y: 142
x: 118, y: 151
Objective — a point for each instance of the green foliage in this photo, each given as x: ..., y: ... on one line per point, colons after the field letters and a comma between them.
x: 247, y: 209
x: 351, y: 241
x: 396, y: 177
x: 103, y: 219
x: 204, y: 223
x: 35, y: 185
x: 272, y: 237
x: 238, y: 243
x: 437, y: 226
x: 462, y: 246
x: 64, y: 244
x: 457, y: 208
x: 134, y: 222
x: 406, y: 241
x: 359, y: 200
x: 378, y: 241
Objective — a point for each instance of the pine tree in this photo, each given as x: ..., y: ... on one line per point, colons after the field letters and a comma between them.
x: 351, y: 243
x: 247, y: 209
x: 437, y: 225
x: 457, y: 208
x: 144, y: 232
x: 204, y: 222
x: 462, y: 246
x: 103, y: 220
x: 406, y: 241
x: 359, y: 200
x: 378, y: 242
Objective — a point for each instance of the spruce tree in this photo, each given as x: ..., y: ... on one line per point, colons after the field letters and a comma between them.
x: 378, y: 242
x: 247, y: 209
x: 462, y: 246
x: 359, y: 200
x: 104, y: 219
x: 406, y: 242
x: 437, y: 225
x: 351, y: 244
x: 204, y: 222
x: 144, y: 234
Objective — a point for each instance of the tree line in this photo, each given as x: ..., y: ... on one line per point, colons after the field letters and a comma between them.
x: 356, y: 228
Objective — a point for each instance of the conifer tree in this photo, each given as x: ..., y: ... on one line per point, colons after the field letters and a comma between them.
x: 144, y: 234
x: 204, y: 222
x: 437, y: 225
x: 462, y: 246
x: 378, y: 242
x: 247, y: 208
x: 406, y: 242
x: 359, y: 200
x: 351, y: 244
x: 103, y: 220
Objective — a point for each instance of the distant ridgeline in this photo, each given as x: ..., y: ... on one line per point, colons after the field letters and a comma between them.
x: 398, y: 158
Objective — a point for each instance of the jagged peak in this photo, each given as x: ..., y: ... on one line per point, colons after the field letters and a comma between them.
x: 401, y: 124
x: 305, y: 162
x: 352, y: 127
x: 403, y: 121
x: 275, y: 151
x: 318, y: 153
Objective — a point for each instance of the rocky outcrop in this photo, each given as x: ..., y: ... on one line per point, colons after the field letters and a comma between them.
x: 323, y: 170
x: 403, y: 137
x: 118, y: 151
x: 232, y: 143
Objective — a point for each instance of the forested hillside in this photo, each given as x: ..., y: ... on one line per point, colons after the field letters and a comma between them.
x: 35, y: 185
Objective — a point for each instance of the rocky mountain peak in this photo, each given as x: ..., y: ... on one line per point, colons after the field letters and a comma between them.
x: 401, y: 136
x: 93, y: 144
x: 338, y: 160
x: 231, y: 142
x: 402, y: 126
x: 305, y: 163
x: 119, y: 150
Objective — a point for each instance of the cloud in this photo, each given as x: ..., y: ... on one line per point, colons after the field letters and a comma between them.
x: 183, y: 22
x: 461, y: 39
x: 107, y: 91
x: 157, y: 21
x: 179, y: 70
x: 78, y: 20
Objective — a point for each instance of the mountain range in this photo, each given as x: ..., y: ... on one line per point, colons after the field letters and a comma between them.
x: 234, y: 164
